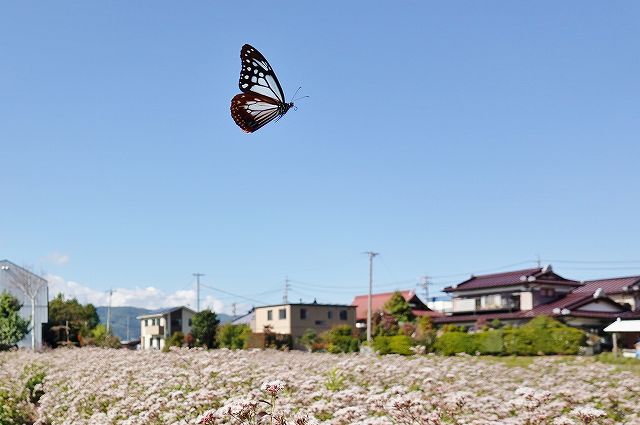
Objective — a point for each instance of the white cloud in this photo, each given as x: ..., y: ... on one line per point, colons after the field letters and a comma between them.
x: 57, y: 258
x: 147, y: 297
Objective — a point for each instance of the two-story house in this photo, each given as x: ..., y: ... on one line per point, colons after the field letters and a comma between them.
x: 295, y: 318
x: 157, y: 326
x: 517, y: 296
x: 361, y: 302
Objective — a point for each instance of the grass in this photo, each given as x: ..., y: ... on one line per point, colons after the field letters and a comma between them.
x: 621, y: 363
x: 510, y: 361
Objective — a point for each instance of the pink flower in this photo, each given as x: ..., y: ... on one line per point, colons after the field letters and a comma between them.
x: 273, y: 387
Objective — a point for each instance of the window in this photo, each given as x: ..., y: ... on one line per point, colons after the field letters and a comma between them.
x: 189, y: 322
x: 329, y: 314
x: 319, y: 322
x: 282, y: 313
x: 547, y: 292
x: 146, y: 322
x: 303, y: 313
x: 343, y: 314
x: 269, y: 314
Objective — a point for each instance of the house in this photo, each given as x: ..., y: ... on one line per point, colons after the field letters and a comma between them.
x: 517, y: 296
x: 157, y: 326
x: 623, y: 290
x: 294, y: 319
x: 21, y: 283
x: 361, y: 302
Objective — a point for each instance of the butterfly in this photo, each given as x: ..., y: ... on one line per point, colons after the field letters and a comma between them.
x: 262, y: 99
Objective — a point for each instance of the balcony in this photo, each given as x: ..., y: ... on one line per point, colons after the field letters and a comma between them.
x: 155, y: 330
x: 470, y: 305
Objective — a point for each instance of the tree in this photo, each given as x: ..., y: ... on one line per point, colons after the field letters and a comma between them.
x: 399, y: 308
x: 203, y: 327
x: 12, y: 327
x: 78, y: 320
x: 100, y: 337
x: 233, y: 336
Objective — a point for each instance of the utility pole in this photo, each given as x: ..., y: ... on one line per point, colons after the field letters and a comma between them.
x: 109, y: 312
x: 233, y: 309
x: 128, y: 336
x: 197, y: 275
x: 371, y: 254
x: 539, y: 262
x: 425, y: 286
x: 285, y: 298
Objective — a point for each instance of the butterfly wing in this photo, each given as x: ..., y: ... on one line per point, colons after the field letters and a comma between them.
x: 251, y: 111
x: 257, y: 76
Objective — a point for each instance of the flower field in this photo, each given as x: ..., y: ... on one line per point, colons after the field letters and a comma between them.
x: 103, y: 386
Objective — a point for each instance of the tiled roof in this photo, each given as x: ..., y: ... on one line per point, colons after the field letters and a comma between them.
x: 510, y: 278
x: 617, y: 285
x: 378, y: 301
x: 569, y: 301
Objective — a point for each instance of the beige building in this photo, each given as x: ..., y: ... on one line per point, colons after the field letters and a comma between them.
x: 157, y: 326
x: 294, y: 319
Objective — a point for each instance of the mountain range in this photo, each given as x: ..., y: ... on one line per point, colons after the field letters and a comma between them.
x: 124, y: 324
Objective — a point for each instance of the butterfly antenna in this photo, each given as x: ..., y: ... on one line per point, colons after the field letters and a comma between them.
x: 297, y: 98
x: 294, y: 95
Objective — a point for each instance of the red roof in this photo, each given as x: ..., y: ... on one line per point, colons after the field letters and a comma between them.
x: 378, y: 301
x: 616, y: 285
x: 542, y: 274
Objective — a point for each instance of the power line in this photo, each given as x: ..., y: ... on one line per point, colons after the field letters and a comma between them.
x: 230, y: 293
x: 485, y: 270
x: 595, y: 262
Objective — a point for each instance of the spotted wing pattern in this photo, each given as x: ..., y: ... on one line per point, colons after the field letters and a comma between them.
x: 257, y: 75
x: 262, y: 99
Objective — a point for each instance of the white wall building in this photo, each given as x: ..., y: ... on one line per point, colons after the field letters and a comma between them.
x: 157, y: 326
x: 13, y: 278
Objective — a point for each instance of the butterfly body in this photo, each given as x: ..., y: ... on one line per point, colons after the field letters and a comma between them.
x: 262, y: 99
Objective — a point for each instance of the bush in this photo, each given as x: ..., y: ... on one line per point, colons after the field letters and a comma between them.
x: 34, y: 375
x: 489, y: 342
x: 450, y: 343
x: 176, y: 340
x: 101, y: 338
x: 233, y: 336
x: 397, y: 344
x: 309, y: 339
x: 340, y: 339
x: 543, y: 335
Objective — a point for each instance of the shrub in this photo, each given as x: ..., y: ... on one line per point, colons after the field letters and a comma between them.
x: 340, y: 339
x: 397, y: 344
x: 309, y: 339
x: 543, y: 335
x: 101, y: 338
x: 233, y: 336
x: 401, y: 344
x: 176, y: 340
x: 450, y: 343
x: 34, y: 375
x: 489, y: 342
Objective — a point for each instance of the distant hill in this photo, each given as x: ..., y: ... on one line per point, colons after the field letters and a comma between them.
x: 119, y: 317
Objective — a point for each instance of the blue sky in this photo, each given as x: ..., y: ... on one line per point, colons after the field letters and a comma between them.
x: 451, y: 137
